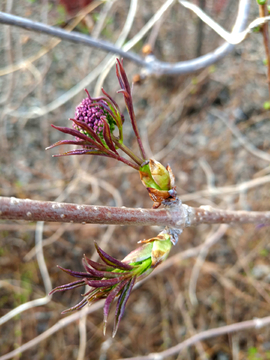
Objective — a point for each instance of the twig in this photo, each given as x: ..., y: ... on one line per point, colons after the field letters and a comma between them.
x: 180, y: 301
x: 152, y: 65
x: 45, y: 277
x: 83, y: 338
x: 178, y: 216
x: 21, y: 308
x: 222, y: 191
x: 244, y: 325
x: 59, y: 325
x: 263, y: 12
x: 120, y: 41
x: 40, y: 258
x: 235, y: 37
x: 210, y: 241
x: 241, y: 138
x: 53, y: 43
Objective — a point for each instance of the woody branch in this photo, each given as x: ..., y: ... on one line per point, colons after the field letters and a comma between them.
x: 178, y: 216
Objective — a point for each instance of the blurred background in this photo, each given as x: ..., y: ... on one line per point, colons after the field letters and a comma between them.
x: 189, y: 121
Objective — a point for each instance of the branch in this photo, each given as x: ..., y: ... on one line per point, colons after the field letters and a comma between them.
x: 177, y: 216
x: 56, y: 327
x: 263, y: 12
x: 150, y: 64
x: 256, y: 323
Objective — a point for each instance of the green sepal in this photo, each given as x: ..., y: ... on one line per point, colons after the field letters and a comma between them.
x: 147, y: 178
x: 138, y: 255
x: 161, y: 250
x: 160, y: 174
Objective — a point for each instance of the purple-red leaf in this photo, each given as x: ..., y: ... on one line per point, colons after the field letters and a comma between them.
x: 103, y: 274
x: 121, y: 303
x: 98, y: 266
x: 110, y: 98
x: 69, y: 286
x: 69, y: 142
x: 80, y: 305
x: 105, y: 282
x: 124, y: 79
x: 113, y: 293
x: 88, y: 129
x: 82, y: 152
x: 77, y: 274
x: 107, y: 135
x: 109, y: 260
x: 80, y: 135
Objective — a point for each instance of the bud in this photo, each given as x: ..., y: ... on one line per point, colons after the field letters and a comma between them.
x: 157, y: 249
x: 116, y: 278
x: 158, y: 180
x: 160, y: 174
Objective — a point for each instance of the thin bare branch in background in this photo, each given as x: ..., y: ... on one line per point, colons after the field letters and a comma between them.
x: 119, y: 43
x: 152, y: 65
x: 265, y: 32
x: 37, y: 111
x: 235, y: 37
x: 241, y: 138
x: 210, y: 241
x: 45, y: 277
x: 250, y: 324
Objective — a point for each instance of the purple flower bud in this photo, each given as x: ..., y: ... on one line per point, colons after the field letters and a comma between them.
x: 89, y: 114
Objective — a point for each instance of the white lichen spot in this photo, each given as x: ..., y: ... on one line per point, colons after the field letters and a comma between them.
x: 141, y: 210
x: 71, y: 221
x: 258, y: 323
x: 78, y: 207
x: 62, y: 216
x: 28, y: 214
x: 109, y: 214
x: 95, y: 208
x: 14, y: 201
x: 54, y: 206
x: 206, y: 207
x: 83, y: 223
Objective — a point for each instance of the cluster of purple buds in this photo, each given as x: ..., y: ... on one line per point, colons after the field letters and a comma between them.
x: 94, y: 124
x: 89, y: 114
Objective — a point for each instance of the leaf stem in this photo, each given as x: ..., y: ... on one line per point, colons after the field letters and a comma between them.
x: 126, y: 150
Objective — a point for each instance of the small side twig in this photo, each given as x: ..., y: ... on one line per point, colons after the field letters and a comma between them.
x: 264, y: 29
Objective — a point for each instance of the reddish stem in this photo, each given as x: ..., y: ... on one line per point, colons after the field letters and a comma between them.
x: 263, y: 12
